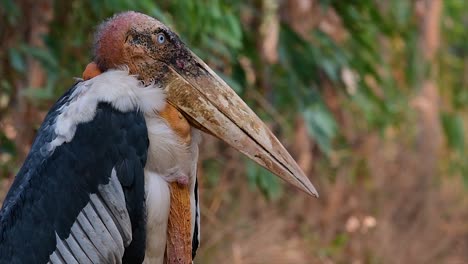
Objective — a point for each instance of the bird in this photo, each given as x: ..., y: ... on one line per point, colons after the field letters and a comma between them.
x: 111, y: 176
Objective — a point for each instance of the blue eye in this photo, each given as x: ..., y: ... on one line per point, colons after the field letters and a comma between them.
x: 161, y: 38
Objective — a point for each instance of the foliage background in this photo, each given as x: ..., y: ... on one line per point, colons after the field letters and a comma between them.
x: 369, y: 96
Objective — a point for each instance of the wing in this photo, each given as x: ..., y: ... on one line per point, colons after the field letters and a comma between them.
x: 83, y: 201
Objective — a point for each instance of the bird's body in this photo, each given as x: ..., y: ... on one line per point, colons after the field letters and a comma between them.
x: 112, y: 174
x: 85, y: 120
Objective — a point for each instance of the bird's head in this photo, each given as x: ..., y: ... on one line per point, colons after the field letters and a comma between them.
x: 156, y: 54
x: 140, y: 42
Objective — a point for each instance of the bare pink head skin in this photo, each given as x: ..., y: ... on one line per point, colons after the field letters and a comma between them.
x: 133, y: 39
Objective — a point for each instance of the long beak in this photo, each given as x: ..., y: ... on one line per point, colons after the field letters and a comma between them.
x: 212, y: 106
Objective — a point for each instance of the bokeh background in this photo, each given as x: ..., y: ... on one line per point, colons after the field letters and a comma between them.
x: 369, y: 96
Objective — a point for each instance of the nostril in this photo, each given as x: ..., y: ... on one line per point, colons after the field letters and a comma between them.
x: 180, y: 64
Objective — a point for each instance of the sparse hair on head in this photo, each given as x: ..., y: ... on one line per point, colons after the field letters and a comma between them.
x: 109, y: 37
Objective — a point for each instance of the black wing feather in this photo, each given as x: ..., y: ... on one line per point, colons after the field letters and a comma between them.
x: 50, y: 190
x: 196, y: 231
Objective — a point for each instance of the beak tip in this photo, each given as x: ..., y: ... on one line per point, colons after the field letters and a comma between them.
x: 316, y: 195
x: 312, y: 191
x: 304, y: 184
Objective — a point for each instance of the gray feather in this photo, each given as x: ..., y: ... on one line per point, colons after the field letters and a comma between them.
x: 101, y: 231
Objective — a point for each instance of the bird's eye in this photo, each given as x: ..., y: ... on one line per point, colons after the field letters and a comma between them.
x: 161, y: 38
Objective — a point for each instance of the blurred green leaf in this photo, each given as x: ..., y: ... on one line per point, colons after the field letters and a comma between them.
x: 262, y: 179
x: 43, y: 55
x: 321, y: 126
x: 6, y: 145
x: 38, y: 93
x: 10, y: 9
x: 454, y: 131
x: 16, y: 60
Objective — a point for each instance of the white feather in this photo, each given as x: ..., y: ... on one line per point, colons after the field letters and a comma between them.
x: 123, y: 91
x: 165, y: 153
x: 157, y: 209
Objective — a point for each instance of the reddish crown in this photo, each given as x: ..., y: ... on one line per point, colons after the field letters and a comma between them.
x: 110, y: 37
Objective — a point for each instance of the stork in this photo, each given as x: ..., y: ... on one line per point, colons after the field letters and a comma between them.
x: 100, y: 182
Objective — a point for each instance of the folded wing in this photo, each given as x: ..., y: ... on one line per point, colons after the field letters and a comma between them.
x: 83, y: 200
